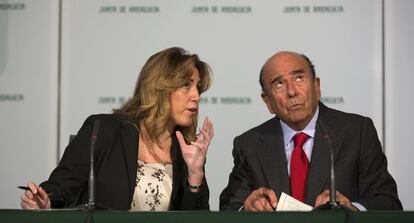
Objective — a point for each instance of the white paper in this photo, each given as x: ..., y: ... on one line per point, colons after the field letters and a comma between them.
x: 288, y: 203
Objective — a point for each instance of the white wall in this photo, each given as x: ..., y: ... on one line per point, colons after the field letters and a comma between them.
x: 399, y: 80
x: 28, y: 94
x: 102, y: 51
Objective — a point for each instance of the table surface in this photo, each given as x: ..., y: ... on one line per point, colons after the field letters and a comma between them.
x: 45, y: 216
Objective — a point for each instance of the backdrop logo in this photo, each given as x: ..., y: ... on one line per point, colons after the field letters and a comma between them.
x: 202, y: 9
x: 11, y: 97
x: 333, y: 100
x: 242, y: 100
x: 5, y: 8
x: 3, y: 39
x: 129, y: 9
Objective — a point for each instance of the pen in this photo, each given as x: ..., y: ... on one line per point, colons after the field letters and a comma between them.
x: 27, y: 188
x: 23, y: 187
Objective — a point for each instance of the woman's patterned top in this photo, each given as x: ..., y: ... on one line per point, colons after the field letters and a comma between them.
x: 153, y: 187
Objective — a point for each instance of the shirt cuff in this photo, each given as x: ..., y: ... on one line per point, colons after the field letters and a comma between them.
x: 359, y: 206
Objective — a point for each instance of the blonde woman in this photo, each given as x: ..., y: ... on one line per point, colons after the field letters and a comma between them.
x: 148, y: 156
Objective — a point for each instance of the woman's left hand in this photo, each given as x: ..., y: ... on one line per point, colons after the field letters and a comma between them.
x: 195, y: 154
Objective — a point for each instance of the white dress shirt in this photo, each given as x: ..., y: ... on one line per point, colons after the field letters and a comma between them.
x: 288, y: 134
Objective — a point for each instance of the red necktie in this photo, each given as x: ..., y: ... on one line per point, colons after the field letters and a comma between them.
x: 299, y: 167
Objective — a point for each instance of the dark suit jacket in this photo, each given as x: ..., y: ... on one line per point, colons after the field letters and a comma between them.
x: 360, y: 164
x: 115, y: 167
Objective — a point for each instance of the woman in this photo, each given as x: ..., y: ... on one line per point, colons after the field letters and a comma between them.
x: 147, y: 153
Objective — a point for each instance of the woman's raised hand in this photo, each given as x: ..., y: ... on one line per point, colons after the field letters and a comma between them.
x: 195, y: 154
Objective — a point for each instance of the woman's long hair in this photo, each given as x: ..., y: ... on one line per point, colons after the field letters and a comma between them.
x: 163, y: 73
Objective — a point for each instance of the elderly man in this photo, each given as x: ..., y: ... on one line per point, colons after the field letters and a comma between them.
x: 290, y: 153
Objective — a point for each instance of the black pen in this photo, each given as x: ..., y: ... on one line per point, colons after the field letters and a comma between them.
x: 27, y: 188
x: 23, y: 187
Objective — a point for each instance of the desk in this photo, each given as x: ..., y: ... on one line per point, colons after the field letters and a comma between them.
x: 62, y: 216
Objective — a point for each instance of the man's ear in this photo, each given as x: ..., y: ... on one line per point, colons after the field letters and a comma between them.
x: 266, y: 100
x: 317, y: 87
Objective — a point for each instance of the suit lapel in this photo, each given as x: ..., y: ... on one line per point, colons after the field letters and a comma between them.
x: 319, y: 171
x: 272, y: 158
x: 177, y: 166
x: 319, y: 166
x: 129, y: 139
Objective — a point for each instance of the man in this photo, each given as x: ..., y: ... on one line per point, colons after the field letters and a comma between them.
x: 291, y: 152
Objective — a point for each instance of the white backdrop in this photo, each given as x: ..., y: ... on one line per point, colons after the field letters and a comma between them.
x: 399, y: 90
x: 28, y: 94
x: 104, y: 43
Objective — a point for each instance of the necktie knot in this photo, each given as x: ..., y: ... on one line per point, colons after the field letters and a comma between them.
x: 299, y: 139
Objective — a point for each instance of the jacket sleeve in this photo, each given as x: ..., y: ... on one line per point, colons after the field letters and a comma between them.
x: 377, y: 188
x: 69, y: 179
x: 195, y: 200
x: 240, y: 181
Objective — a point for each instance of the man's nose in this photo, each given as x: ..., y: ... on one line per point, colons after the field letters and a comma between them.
x: 291, y: 88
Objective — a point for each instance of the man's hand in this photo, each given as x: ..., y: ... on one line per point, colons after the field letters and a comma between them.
x: 262, y: 199
x: 340, y: 198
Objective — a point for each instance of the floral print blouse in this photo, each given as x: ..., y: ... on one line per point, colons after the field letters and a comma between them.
x: 153, y: 187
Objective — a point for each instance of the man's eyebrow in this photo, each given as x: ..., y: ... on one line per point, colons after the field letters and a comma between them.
x: 276, y: 79
x: 297, y: 71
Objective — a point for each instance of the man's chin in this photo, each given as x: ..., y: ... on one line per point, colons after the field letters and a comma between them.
x: 297, y: 120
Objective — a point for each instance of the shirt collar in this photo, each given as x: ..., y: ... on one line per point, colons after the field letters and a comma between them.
x: 288, y: 133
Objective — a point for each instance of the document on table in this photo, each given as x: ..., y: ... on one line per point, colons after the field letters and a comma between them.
x: 288, y: 203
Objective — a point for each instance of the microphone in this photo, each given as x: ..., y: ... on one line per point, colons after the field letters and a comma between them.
x: 91, y: 203
x: 331, y: 204
x: 91, y: 187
